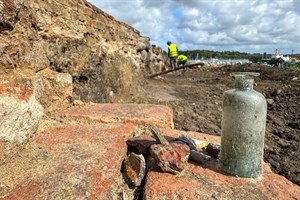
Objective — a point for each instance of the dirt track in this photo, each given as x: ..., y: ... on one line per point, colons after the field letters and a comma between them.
x: 196, y: 99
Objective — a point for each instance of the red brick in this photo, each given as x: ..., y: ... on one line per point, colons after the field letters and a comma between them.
x: 18, y: 192
x: 209, y: 182
x: 145, y: 114
x: 77, y: 162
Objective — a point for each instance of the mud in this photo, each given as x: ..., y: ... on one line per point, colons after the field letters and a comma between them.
x: 196, y: 99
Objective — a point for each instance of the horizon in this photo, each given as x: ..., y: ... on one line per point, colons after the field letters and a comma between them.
x: 272, y: 53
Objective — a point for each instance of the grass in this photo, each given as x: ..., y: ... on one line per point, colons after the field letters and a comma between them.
x: 295, y: 67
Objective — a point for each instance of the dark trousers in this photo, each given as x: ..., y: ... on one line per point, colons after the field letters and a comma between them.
x: 183, y: 63
x: 174, y: 62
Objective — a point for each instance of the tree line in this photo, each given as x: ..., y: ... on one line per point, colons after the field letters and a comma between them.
x: 208, y: 54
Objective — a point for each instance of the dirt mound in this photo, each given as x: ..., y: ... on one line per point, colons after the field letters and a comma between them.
x: 196, y: 98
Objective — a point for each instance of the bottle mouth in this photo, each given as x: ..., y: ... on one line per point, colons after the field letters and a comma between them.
x: 244, y: 80
x: 244, y: 74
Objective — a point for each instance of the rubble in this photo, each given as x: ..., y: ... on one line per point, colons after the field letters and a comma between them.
x: 142, y: 143
x: 135, y: 167
x: 169, y: 157
x: 213, y: 149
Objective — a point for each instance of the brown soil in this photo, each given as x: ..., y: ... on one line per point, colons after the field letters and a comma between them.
x: 196, y: 99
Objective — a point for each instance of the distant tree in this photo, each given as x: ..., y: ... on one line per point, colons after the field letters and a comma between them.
x: 265, y: 54
x: 207, y: 54
x: 276, y: 61
x: 214, y: 55
x: 255, y: 58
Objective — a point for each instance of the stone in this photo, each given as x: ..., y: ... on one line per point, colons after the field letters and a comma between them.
x: 170, y: 158
x: 142, y: 143
x: 276, y: 92
x: 20, y: 112
x: 143, y: 44
x: 9, y: 13
x: 213, y: 149
x: 270, y: 101
x: 53, y: 90
x: 135, y: 168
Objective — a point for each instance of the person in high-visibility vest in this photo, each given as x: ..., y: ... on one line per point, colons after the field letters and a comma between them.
x: 182, y: 61
x: 173, y: 54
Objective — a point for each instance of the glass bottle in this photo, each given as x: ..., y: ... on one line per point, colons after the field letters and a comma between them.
x: 243, y: 127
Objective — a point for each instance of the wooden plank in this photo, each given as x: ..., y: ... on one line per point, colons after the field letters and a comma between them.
x: 172, y: 70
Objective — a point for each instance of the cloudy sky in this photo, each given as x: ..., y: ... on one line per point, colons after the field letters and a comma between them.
x: 253, y: 26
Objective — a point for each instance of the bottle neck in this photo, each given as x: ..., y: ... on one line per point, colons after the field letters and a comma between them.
x: 244, y: 83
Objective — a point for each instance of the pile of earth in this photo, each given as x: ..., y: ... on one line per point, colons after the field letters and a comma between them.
x: 196, y: 99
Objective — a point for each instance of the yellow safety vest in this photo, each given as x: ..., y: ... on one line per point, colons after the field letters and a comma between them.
x: 182, y: 57
x: 173, y: 50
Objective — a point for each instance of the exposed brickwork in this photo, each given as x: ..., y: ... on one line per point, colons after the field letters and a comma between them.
x: 83, y: 161
x: 145, y: 114
x: 78, y: 161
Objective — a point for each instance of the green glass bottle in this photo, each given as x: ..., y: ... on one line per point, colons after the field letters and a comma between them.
x: 243, y: 128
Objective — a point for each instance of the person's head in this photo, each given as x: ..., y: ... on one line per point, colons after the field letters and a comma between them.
x: 169, y: 42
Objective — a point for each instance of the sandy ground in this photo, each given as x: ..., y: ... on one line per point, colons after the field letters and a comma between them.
x: 196, y: 99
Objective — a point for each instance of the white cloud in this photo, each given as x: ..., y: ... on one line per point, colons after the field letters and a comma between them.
x: 238, y: 25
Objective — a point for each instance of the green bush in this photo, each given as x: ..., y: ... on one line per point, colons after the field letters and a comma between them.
x: 295, y: 66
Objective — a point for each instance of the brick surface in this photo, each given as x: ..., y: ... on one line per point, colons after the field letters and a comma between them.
x: 74, y: 160
x: 69, y: 162
x: 209, y: 182
x: 145, y: 114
